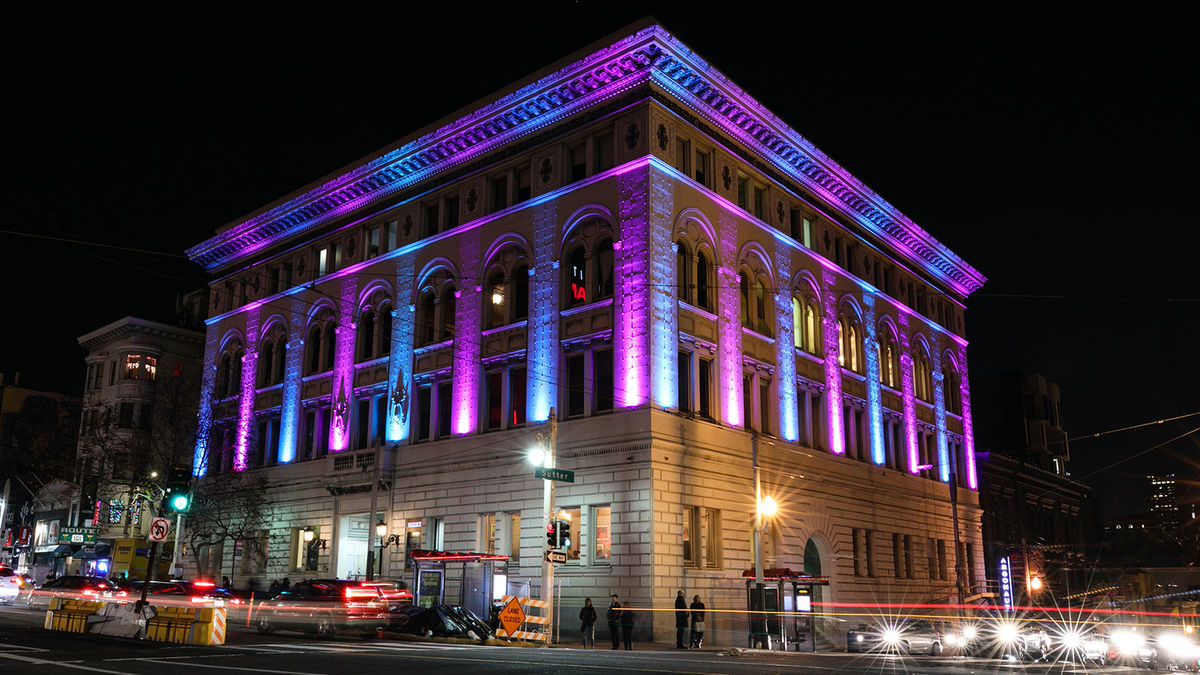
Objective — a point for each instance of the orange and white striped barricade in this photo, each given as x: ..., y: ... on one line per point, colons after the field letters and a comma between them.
x: 517, y: 622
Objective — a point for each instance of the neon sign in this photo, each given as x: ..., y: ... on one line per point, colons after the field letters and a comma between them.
x: 1006, y: 595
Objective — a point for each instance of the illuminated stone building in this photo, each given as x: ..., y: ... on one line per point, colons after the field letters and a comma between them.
x: 631, y: 240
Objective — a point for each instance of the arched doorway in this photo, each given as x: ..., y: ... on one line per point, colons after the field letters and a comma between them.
x: 812, y: 565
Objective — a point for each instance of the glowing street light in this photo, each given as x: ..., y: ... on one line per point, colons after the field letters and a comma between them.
x: 1035, y: 583
x: 768, y: 507
x: 538, y: 456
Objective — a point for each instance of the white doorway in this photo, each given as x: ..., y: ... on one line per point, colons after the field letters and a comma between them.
x: 354, y: 536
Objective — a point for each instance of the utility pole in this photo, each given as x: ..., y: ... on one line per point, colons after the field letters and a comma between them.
x: 547, y: 515
x: 758, y: 566
x: 959, y: 563
x: 178, y: 539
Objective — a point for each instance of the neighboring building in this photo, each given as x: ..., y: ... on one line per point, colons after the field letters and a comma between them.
x: 632, y: 241
x: 1032, y: 510
x: 1164, y: 500
x: 139, y: 412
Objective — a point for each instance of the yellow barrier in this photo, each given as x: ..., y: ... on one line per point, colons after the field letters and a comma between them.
x: 70, y: 616
x: 210, y: 626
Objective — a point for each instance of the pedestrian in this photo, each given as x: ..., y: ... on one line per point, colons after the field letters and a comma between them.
x: 681, y: 619
x: 614, y: 621
x: 285, y: 585
x: 697, y: 622
x: 627, y: 626
x: 225, y: 582
x: 587, y: 619
x: 273, y: 589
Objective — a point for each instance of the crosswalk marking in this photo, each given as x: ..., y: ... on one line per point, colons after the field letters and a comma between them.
x: 344, y: 647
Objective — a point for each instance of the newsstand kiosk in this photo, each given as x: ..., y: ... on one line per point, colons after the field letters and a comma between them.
x: 479, y: 580
x: 783, y: 617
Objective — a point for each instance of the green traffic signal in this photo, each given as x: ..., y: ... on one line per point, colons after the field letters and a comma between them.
x: 179, y: 502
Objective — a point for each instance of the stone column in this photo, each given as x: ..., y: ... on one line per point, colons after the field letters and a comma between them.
x: 908, y: 396
x: 834, y: 433
x: 293, y: 375
x: 874, y: 398
x: 631, y: 329
x: 208, y: 381
x: 785, y: 347
x: 939, y: 406
x: 342, y: 382
x: 400, y: 363
x: 660, y: 287
x: 542, y: 374
x: 467, y: 341
x: 967, y: 424
x: 245, y: 419
x: 729, y: 323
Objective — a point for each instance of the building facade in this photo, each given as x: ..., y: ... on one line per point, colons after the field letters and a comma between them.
x: 632, y: 242
x: 139, y: 403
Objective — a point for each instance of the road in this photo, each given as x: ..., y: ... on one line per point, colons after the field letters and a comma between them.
x: 26, y: 648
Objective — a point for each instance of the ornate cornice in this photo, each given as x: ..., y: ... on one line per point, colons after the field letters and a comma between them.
x: 650, y: 55
x: 132, y: 326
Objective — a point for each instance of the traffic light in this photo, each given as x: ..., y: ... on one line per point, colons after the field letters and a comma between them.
x: 552, y: 534
x: 564, y: 533
x: 178, y: 495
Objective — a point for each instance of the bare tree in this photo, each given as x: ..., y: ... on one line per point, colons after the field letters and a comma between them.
x: 228, y: 508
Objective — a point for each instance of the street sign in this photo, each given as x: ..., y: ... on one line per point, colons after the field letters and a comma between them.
x: 159, y: 529
x: 556, y: 556
x: 77, y: 535
x: 561, y: 475
x: 511, y: 617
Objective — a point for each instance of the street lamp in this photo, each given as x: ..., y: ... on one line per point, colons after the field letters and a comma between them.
x: 310, y: 537
x: 385, y: 540
x: 538, y: 455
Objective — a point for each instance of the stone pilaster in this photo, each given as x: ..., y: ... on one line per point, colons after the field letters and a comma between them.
x: 908, y: 396
x: 968, y: 425
x: 400, y: 365
x: 834, y: 433
x: 293, y: 374
x: 245, y: 418
x: 729, y: 323
x: 208, y: 383
x: 874, y: 398
x: 631, y: 332
x: 467, y: 326
x: 939, y: 406
x: 542, y: 329
x: 664, y: 311
x: 785, y: 347
x: 342, y: 382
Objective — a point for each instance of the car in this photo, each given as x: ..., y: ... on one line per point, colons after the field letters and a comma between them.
x: 184, y: 594
x: 11, y: 584
x: 326, y: 607
x: 75, y: 587
x: 912, y: 637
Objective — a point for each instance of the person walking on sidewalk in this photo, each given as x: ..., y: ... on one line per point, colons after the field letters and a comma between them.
x: 627, y: 626
x: 587, y: 619
x: 697, y: 623
x: 614, y: 621
x: 681, y: 619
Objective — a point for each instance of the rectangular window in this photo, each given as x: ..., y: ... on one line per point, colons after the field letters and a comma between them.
x: 451, y: 213
x: 703, y: 175
x: 310, y: 432
x: 380, y: 419
x: 521, y: 188
x: 372, y: 242
x: 273, y: 284
x: 704, y: 387
x: 601, y: 534
x: 602, y: 377
x: 363, y: 436
x: 112, y: 373
x: 495, y: 400
x: 433, y: 215
x: 146, y: 417
x: 516, y: 396
x: 898, y: 555
x: 487, y: 533
x: 443, y: 409
x: 683, y: 156
x: 712, y: 538
x: 499, y: 193
x: 575, y: 385
x: 335, y: 254
x: 764, y: 406
x: 760, y: 203
x: 322, y: 262
x: 132, y: 365
x: 691, y: 538
x: 125, y: 416
x: 818, y: 426
x: 602, y: 159
x: 743, y: 192
x: 424, y: 410
x: 683, y: 377
x: 748, y: 401
x: 287, y: 275
x: 514, y: 537
x: 941, y: 557
x: 577, y: 162
x: 324, y: 420
x: 99, y: 382
x: 389, y: 231
x: 273, y: 448
x: 870, y: 552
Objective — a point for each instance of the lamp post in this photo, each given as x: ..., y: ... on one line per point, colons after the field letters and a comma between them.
x: 544, y: 455
x: 762, y: 507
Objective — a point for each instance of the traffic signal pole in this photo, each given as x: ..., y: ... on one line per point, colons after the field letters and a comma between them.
x: 178, y: 539
x: 547, y: 517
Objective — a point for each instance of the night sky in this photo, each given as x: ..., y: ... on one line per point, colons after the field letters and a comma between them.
x: 1054, y: 155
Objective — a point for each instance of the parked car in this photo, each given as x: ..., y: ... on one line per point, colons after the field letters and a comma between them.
x: 326, y: 607
x: 184, y: 594
x: 11, y: 584
x: 912, y: 637
x: 76, y: 588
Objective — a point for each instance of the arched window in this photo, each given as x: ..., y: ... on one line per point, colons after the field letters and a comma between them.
x: 850, y: 343
x: 683, y: 286
x: 576, y: 277
x: 744, y: 299
x: 366, y: 335
x: 951, y: 392
x: 762, y: 318
x: 889, y: 359
x: 703, y: 287
x: 449, y: 312
x: 266, y: 362
x: 280, y: 357
x: 496, y: 300
x: 312, y: 360
x: 385, y: 328
x: 922, y: 378
x: 604, y: 269
x: 520, y: 292
x: 330, y: 339
x: 224, y: 375
x: 426, y: 332
x: 797, y: 323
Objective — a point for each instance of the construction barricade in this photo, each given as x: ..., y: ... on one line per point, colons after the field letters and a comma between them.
x: 530, y: 627
x: 188, y: 625
x: 70, y: 615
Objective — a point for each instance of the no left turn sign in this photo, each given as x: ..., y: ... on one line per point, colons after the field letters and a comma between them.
x: 159, y: 529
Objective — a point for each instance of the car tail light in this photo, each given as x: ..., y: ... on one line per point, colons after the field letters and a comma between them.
x: 234, y: 601
x: 203, y: 584
x: 199, y: 598
x: 89, y: 592
x: 361, y: 593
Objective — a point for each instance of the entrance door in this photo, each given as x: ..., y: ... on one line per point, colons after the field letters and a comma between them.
x: 354, y: 536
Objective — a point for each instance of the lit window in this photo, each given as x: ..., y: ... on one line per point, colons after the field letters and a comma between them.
x: 132, y: 365
x: 602, y: 534
x: 151, y: 367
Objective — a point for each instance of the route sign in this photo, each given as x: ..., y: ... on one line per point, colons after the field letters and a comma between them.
x: 77, y: 535
x: 556, y: 556
x: 561, y: 475
x: 512, y: 616
x: 159, y: 529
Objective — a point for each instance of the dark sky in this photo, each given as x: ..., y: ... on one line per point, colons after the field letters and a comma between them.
x: 1055, y: 155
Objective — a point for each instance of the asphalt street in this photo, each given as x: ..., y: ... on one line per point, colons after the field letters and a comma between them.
x: 26, y: 648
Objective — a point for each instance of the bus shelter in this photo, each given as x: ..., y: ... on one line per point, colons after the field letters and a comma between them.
x: 782, y: 617
x: 481, y: 578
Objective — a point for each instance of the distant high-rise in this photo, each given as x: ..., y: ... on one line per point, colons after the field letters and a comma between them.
x: 1164, y: 499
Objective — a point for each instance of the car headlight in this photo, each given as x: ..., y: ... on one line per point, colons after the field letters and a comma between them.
x: 951, y: 639
x: 1007, y: 633
x: 1127, y: 642
x: 1176, y: 645
x: 858, y: 638
x: 1071, y: 639
x: 891, y: 636
x: 968, y: 633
